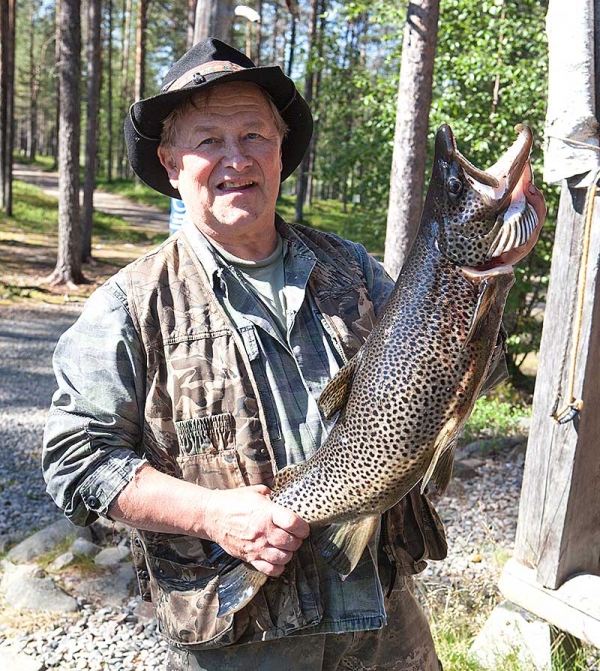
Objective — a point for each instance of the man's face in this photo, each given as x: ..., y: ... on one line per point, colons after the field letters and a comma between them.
x: 226, y: 162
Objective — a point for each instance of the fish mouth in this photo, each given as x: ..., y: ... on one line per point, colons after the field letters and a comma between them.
x: 502, y: 188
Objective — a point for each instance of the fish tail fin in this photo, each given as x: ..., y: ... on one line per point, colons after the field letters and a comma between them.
x: 342, y: 545
x: 237, y: 587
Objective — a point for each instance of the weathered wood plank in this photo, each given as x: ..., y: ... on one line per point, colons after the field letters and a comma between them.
x: 558, y: 531
x: 573, y: 608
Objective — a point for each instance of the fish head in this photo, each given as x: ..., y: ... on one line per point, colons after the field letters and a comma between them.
x: 483, y: 219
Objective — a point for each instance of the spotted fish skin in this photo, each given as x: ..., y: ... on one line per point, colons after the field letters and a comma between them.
x: 406, y: 395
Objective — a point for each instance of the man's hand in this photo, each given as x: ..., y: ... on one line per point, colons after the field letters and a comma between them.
x: 247, y: 524
x: 244, y: 522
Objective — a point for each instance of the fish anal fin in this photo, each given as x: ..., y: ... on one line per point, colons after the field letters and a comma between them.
x: 333, y: 398
x: 444, y: 441
x: 343, y: 544
x: 443, y: 470
x: 238, y: 587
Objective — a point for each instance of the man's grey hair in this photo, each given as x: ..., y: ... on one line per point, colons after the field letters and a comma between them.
x: 170, y: 125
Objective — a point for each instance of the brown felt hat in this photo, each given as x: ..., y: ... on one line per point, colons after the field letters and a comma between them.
x: 205, y: 65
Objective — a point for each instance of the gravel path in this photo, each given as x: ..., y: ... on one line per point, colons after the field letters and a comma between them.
x: 480, y: 511
x: 111, y: 203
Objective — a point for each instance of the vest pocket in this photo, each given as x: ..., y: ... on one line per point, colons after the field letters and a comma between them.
x: 186, y: 603
x: 207, y: 452
x: 202, y: 435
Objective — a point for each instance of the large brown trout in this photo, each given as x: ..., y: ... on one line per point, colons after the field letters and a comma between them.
x: 403, y: 399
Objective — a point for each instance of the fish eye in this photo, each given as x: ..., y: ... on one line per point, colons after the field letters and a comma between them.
x: 455, y: 186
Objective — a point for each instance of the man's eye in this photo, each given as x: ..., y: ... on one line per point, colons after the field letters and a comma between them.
x: 206, y: 141
x: 253, y: 136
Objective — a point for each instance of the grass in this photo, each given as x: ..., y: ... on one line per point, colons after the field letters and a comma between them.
x: 493, y: 418
x: 28, y: 243
x: 457, y: 614
x: 135, y: 191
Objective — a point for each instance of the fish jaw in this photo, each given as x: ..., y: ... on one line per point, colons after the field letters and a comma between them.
x: 520, y: 229
x: 483, y: 218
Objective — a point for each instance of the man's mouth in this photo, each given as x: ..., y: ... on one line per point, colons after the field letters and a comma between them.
x: 235, y: 185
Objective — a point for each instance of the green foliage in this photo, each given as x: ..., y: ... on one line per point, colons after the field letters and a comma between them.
x: 368, y: 228
x: 494, y: 418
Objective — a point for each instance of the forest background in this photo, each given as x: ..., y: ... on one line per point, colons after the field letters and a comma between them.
x: 490, y: 73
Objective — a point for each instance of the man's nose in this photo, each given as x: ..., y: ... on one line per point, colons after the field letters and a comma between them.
x: 235, y: 156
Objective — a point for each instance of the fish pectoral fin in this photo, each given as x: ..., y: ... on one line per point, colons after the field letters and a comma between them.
x: 342, y: 545
x: 486, y: 297
x: 443, y: 469
x: 238, y: 587
x: 333, y: 398
x: 444, y: 442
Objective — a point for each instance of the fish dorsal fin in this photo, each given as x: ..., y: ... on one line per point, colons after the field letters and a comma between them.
x: 343, y: 544
x: 443, y: 442
x: 443, y: 470
x: 333, y: 398
x: 484, y: 300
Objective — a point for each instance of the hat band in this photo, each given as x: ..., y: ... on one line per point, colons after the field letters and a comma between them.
x: 198, y: 75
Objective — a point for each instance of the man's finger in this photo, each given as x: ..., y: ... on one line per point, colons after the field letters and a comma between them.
x: 288, y: 521
x: 283, y: 540
x: 272, y: 570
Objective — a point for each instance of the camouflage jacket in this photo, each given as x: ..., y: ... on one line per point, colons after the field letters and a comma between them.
x: 204, y: 422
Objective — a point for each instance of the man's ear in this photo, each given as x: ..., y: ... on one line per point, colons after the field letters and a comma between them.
x: 165, y: 156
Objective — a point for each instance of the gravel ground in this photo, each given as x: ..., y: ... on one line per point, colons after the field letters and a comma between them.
x: 480, y: 512
x: 27, y: 340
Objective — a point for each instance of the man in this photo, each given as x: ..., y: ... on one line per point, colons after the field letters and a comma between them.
x: 192, y: 376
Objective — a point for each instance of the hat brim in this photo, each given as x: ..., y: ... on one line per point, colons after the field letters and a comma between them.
x: 143, y: 124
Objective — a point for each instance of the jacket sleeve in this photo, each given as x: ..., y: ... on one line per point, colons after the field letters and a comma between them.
x: 93, y: 431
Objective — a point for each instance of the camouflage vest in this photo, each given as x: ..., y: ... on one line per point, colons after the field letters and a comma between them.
x: 204, y: 423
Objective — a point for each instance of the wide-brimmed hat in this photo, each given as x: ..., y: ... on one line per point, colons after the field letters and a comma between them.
x: 205, y: 65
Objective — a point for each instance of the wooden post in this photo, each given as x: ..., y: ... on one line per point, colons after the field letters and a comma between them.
x: 558, y: 532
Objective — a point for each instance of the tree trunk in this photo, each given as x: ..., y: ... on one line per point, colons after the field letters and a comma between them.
x: 258, y: 58
x: 68, y: 264
x: 140, y: 49
x: 191, y: 22
x: 94, y: 13
x: 7, y: 101
x: 214, y: 18
x: 109, y: 94
x: 290, y: 63
x: 317, y: 89
x: 124, y: 87
x: 33, y: 85
x: 57, y: 60
x: 412, y: 124
x: 140, y: 54
x: 303, y: 170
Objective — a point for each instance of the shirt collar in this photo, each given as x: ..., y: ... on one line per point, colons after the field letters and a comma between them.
x: 213, y: 263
